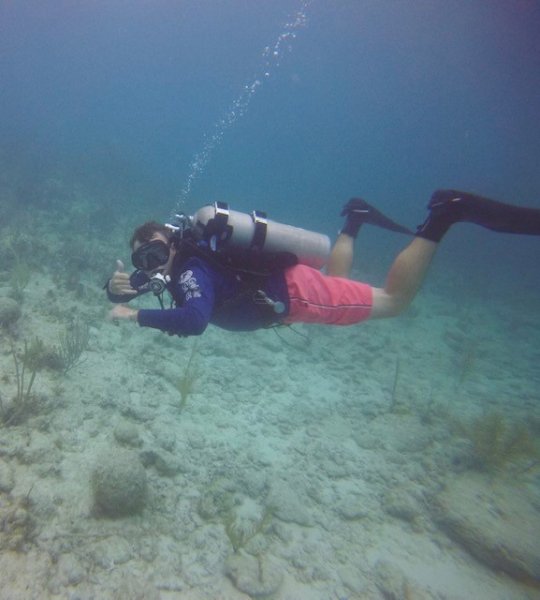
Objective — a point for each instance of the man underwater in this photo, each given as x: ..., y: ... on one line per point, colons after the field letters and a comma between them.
x: 206, y: 290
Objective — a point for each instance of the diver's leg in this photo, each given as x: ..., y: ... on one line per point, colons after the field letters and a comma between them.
x: 341, y: 257
x: 452, y: 206
x: 404, y: 279
x: 342, y: 301
x: 446, y: 208
x: 357, y: 212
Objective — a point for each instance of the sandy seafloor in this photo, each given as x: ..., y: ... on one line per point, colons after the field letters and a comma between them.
x: 341, y: 480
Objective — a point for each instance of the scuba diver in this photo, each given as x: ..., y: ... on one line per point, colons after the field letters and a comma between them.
x: 243, y: 272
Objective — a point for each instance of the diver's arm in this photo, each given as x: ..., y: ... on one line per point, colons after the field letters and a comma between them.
x: 195, y: 292
x: 191, y: 319
x: 186, y: 320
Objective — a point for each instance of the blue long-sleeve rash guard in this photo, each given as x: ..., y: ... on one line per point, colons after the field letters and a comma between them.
x: 203, y: 294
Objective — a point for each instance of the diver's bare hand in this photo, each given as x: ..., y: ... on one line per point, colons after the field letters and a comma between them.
x: 119, y: 284
x: 121, y: 311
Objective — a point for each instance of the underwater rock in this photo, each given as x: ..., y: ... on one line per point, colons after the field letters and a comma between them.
x: 169, y: 465
x: 113, y: 551
x: 351, y: 508
x: 138, y: 409
x: 400, y: 504
x: 256, y: 576
x: 7, y: 477
x: 495, y: 522
x: 395, y: 585
x: 70, y: 570
x: 217, y: 500
x: 288, y: 506
x: 119, y: 484
x: 352, y: 579
x: 390, y: 580
x: 127, y: 434
x: 17, y: 524
x: 10, y: 311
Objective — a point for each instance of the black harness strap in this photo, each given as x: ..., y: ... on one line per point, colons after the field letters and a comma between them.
x: 261, y: 228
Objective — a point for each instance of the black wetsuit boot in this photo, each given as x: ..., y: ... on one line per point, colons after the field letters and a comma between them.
x: 447, y: 207
x: 358, y: 212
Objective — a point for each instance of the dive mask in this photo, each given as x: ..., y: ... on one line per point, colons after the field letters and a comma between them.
x: 151, y: 255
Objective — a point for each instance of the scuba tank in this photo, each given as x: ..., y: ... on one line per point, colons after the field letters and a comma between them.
x: 254, y: 236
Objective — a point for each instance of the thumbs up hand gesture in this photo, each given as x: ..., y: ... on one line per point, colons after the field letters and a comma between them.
x: 119, y: 284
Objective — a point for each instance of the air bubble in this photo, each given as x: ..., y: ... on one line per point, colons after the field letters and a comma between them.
x: 272, y: 56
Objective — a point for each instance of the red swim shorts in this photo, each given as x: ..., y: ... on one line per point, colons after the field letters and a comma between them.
x: 318, y: 298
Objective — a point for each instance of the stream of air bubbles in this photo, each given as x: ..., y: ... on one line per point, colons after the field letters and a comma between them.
x: 272, y: 57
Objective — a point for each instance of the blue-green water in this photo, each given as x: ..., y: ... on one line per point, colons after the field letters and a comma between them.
x: 385, y: 99
x: 388, y: 100
x: 106, y: 109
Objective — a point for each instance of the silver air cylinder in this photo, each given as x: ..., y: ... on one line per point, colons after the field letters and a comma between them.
x: 222, y: 228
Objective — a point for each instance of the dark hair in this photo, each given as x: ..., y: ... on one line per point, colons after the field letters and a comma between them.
x: 145, y: 232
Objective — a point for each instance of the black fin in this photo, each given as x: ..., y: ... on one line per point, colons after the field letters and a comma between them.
x: 456, y: 206
x: 358, y: 212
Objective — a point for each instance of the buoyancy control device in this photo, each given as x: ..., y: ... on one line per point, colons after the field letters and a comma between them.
x: 252, y: 241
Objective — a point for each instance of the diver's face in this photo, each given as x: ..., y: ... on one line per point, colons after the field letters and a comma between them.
x: 155, y: 256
